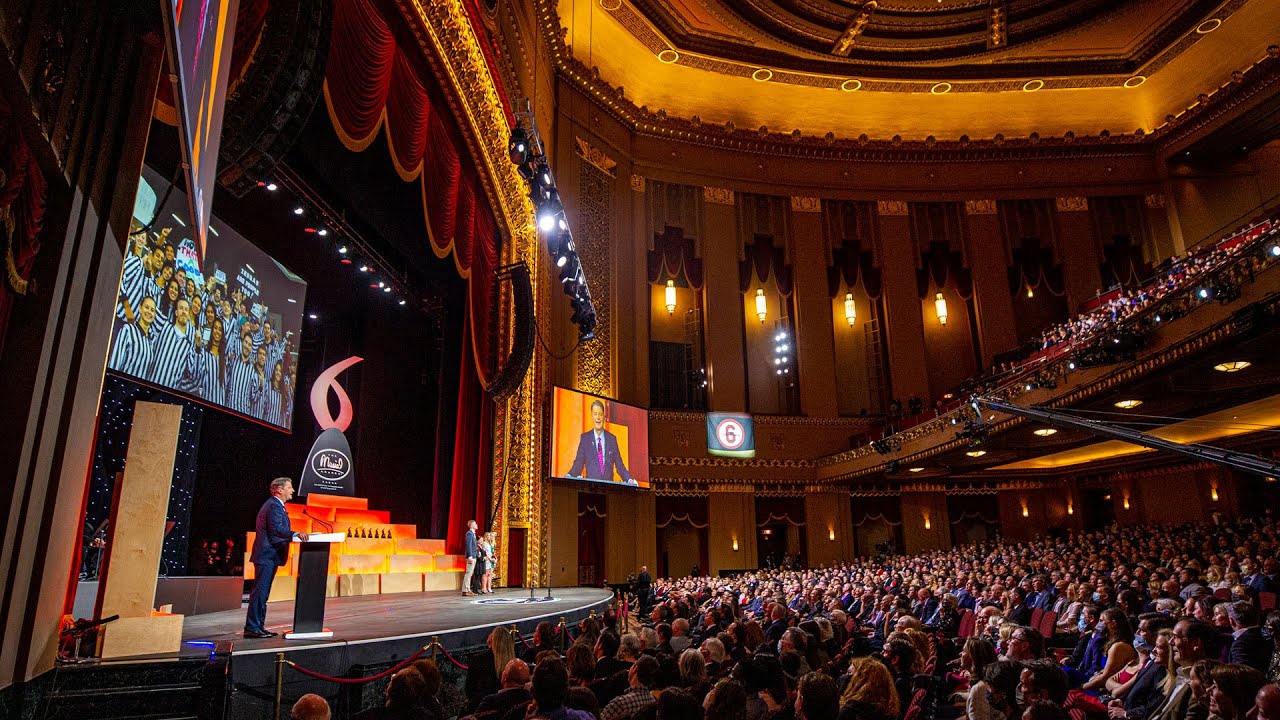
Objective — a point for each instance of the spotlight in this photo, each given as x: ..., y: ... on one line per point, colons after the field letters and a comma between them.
x: 342, y: 250
x: 313, y: 316
x: 364, y: 268
x: 569, y: 266
x: 386, y: 289
x: 402, y: 302
x: 298, y: 210
x: 1275, y: 251
x: 546, y: 221
x: 1203, y: 293
x: 322, y: 232
x: 1071, y: 365
x: 273, y: 187
x: 518, y: 146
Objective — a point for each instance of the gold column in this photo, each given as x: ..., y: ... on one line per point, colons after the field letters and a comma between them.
x: 904, y: 331
x: 989, y: 266
x: 635, y: 344
x: 726, y: 379
x: 920, y: 509
x: 828, y: 514
x: 1162, y: 244
x: 815, y: 341
x: 1079, y: 251
x: 731, y: 512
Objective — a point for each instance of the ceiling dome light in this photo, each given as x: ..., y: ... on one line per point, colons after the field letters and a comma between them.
x: 1232, y: 366
x: 915, y: 469
x: 1128, y: 404
x: 1046, y: 432
x: 976, y: 453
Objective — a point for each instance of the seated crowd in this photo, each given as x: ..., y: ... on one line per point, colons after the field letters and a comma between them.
x: 1160, y: 623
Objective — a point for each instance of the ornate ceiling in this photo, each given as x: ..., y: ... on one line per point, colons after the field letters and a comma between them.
x: 918, y: 68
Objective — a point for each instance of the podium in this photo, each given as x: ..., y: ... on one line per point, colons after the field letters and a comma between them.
x: 313, y: 575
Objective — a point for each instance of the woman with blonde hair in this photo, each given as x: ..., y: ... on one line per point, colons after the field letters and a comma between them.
x: 490, y: 562
x: 482, y: 678
x: 870, y: 694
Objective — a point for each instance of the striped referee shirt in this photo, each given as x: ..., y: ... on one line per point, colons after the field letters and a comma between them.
x: 272, y: 410
x: 132, y: 353
x: 173, y: 348
x: 205, y: 376
x: 133, y: 283
x: 243, y: 389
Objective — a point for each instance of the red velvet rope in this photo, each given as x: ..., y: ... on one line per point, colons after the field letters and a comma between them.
x: 361, y: 681
x: 522, y: 640
x: 453, y: 660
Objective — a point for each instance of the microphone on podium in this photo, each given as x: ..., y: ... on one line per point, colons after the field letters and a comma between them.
x: 328, y: 527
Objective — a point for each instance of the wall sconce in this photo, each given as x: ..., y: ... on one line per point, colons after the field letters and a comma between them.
x: 671, y: 297
x: 1126, y: 502
x: 1213, y: 493
x: 1025, y: 511
x: 735, y: 544
x: 831, y: 534
x: 762, y: 305
x: 850, y: 312
x: 1030, y: 293
x: 927, y: 526
x: 940, y: 307
x: 1071, y: 509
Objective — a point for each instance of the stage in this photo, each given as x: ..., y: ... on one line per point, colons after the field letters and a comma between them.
x: 370, y: 633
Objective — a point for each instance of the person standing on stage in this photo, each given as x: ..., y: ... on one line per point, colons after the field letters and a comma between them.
x: 270, y: 550
x: 598, y: 454
x: 173, y: 347
x: 472, y: 550
x: 132, y: 354
x: 486, y: 549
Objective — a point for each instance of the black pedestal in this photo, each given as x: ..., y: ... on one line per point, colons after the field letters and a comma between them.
x: 308, y: 607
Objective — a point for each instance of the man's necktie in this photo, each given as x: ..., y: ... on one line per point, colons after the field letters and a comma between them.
x: 600, y: 452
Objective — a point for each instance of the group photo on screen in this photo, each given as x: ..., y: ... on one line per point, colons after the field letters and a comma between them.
x: 223, y: 329
x: 599, y: 440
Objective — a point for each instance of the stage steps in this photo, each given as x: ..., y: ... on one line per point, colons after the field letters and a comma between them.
x: 378, y: 557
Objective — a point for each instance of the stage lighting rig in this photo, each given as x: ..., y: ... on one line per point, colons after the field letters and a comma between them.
x: 529, y: 156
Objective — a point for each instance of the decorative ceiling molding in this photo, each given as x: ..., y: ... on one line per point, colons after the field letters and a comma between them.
x: 979, y: 207
x: 1071, y: 204
x: 637, y: 183
x: 894, y: 208
x: 717, y: 196
x: 596, y: 157
x: 806, y: 204
x: 645, y: 122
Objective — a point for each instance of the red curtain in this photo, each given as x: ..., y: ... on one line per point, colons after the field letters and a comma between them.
x: 376, y: 79
x: 23, y: 194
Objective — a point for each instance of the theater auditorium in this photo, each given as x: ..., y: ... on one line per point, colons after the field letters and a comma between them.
x: 755, y: 360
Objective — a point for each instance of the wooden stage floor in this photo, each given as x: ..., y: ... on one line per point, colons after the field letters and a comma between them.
x: 398, y: 617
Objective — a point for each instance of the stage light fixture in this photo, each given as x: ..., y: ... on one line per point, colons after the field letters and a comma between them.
x: 1275, y: 251
x: 298, y: 210
x: 1071, y: 366
x: 322, y: 232
x: 518, y: 146
x: 386, y: 289
x: 1203, y: 293
x: 364, y: 268
x: 342, y: 250
x: 313, y: 316
x: 546, y: 221
x: 402, y: 302
x: 272, y: 187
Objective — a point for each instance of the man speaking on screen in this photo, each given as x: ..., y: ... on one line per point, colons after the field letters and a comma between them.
x: 598, y: 454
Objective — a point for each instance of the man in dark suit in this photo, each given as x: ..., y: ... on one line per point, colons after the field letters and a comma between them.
x: 270, y: 551
x: 1248, y: 645
x: 598, y: 454
x: 472, y: 551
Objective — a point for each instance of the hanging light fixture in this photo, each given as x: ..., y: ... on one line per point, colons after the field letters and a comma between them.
x: 671, y: 297
x: 1030, y: 293
x: 850, y: 312
x: 940, y: 307
x: 762, y: 305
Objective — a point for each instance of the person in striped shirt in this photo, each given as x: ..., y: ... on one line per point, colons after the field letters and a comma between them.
x: 137, y: 280
x: 205, y: 374
x: 132, y: 353
x: 168, y: 306
x: 273, y: 397
x: 242, y: 389
x: 173, y: 347
x: 262, y: 380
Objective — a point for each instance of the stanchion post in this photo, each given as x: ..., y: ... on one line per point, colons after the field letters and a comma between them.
x: 435, y: 647
x: 279, y: 683
x: 564, y: 635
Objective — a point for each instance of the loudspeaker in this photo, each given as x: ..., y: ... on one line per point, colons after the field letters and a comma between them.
x: 523, y: 340
x: 270, y: 105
